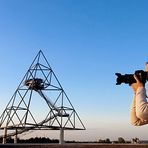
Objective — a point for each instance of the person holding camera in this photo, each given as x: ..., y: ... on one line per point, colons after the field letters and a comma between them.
x: 139, y: 107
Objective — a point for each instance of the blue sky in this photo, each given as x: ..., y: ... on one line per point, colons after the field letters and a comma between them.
x: 86, y: 42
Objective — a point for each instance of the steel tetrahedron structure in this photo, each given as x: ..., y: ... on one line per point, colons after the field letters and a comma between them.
x: 39, y: 103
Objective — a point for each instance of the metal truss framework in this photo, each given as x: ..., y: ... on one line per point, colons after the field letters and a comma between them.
x: 39, y: 82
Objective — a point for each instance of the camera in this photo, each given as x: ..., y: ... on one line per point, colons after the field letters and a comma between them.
x: 129, y: 78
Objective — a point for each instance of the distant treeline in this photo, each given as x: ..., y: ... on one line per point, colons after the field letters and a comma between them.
x: 32, y: 140
x: 48, y: 140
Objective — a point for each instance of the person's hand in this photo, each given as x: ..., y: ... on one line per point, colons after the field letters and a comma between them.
x: 139, y: 83
x: 136, y: 85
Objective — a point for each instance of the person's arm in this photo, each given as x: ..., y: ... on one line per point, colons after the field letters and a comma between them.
x: 139, y: 108
x: 133, y: 117
x: 141, y: 104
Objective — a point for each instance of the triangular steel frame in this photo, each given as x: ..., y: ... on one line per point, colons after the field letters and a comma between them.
x: 40, y: 80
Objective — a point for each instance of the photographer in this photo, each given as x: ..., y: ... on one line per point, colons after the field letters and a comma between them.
x: 139, y: 108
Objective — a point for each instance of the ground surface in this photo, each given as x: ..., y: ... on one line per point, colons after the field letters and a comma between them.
x: 74, y: 146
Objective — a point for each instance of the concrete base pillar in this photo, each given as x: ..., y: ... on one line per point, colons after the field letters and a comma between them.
x: 61, y: 141
x: 5, y: 135
x: 15, y: 137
